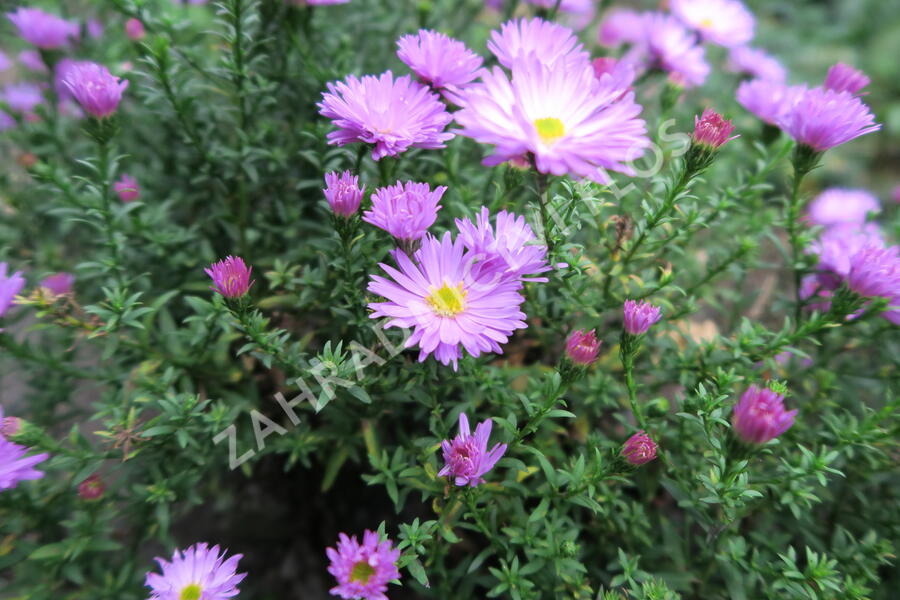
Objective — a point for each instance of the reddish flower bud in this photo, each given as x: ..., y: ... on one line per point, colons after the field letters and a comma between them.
x: 711, y: 129
x: 639, y: 449
x: 91, y: 488
x: 583, y: 347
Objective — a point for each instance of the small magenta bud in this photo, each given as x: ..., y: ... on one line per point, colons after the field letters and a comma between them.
x: 127, y: 188
x: 639, y: 449
x: 91, y: 488
x: 712, y: 130
x: 231, y: 277
x: 134, y: 29
x: 759, y: 415
x: 640, y: 316
x: 343, y: 193
x: 10, y: 426
x: 96, y: 89
x: 582, y: 348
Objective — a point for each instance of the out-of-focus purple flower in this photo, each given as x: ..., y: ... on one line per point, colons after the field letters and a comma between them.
x: 198, y: 573
x: 621, y: 74
x: 59, y: 77
x: 405, y: 210
x: 712, y: 130
x: 231, y: 277
x: 769, y: 100
x: 582, y: 347
x: 5, y: 62
x: 448, y: 304
x: 536, y: 38
x: 466, y: 456
x: 820, y: 286
x: 756, y: 63
x: 363, y: 571
x: 343, y: 193
x: 438, y: 60
x: 823, y: 119
x: 510, y: 250
x: 639, y: 449
x: 42, y: 29
x: 844, y: 78
x: 9, y: 426
x: 392, y: 114
x: 760, y: 415
x: 667, y: 45
x: 622, y: 27
x: 96, y: 89
x: 838, y: 243
x: 31, y: 60
x: 95, y: 28
x: 58, y: 284
x: 837, y: 205
x: 134, y: 29
x: 895, y: 194
x: 23, y: 97
x: 10, y: 286
x: 563, y: 116
x: 15, y: 466
x: 724, y: 22
x: 640, y: 316
x: 875, y: 273
x: 6, y: 121
x: 91, y: 488
x: 127, y: 188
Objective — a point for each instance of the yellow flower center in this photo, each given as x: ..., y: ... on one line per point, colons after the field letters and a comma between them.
x: 361, y: 572
x: 191, y: 592
x: 549, y: 129
x: 706, y: 23
x: 447, y: 300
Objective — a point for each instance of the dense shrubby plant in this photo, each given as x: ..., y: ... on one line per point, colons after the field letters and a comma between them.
x: 448, y: 299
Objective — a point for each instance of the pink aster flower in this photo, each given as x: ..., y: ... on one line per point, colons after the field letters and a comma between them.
x: 844, y: 78
x: 10, y: 286
x: 639, y: 449
x: 673, y: 49
x: 836, y: 205
x: 42, y: 29
x: 198, y: 573
x: 546, y: 42
x: 127, y: 188
x: 756, y: 63
x: 96, y: 89
x: 91, y: 488
x: 438, y: 60
x: 15, y: 466
x: 392, y: 114
x: 509, y: 250
x: 231, y: 277
x: 823, y: 119
x: 724, y: 22
x: 760, y: 416
x: 770, y: 101
x: 363, y: 571
x: 712, y: 130
x: 449, y: 304
x: 640, y: 316
x: 837, y: 245
x: 134, y: 29
x: 563, y: 117
x: 583, y: 347
x: 875, y: 273
x: 58, y: 284
x: 343, y: 193
x: 405, y: 210
x: 621, y: 74
x: 466, y: 456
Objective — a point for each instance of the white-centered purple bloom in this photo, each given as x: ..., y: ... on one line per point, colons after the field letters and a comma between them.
x: 343, y: 193
x: 769, y: 100
x: 563, y: 118
x: 10, y: 286
x: 449, y: 304
x: 466, y: 457
x: 393, y: 115
x: 760, y: 415
x: 640, y: 316
x: 837, y: 205
x: 96, y: 89
x: 198, y: 573
x: 724, y: 22
x: 42, y: 29
x: 543, y: 40
x: 823, y: 119
x: 756, y: 63
x: 509, y: 250
x: 405, y: 210
x: 639, y: 449
x: 844, y: 78
x: 363, y: 571
x: 438, y: 60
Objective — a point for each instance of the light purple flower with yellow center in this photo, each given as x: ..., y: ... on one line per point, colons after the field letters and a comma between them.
x: 724, y: 22
x: 844, y: 78
x: 466, y: 456
x: 563, y: 118
x: 405, y: 210
x: 393, y: 115
x: 769, y: 100
x: 760, y: 415
x: 198, y: 573
x: 363, y: 571
x: 837, y: 205
x: 822, y: 119
x: 448, y: 303
x: 545, y: 41
x: 96, y: 89
x: 756, y: 63
x: 510, y: 249
x: 10, y: 286
x: 438, y: 60
x: 231, y: 277
x: 42, y: 29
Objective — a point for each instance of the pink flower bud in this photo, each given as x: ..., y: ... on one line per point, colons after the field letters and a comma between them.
x: 712, y: 130
x: 343, y: 193
x: 91, y: 488
x: 134, y: 29
x: 760, y: 416
x: 640, y: 316
x: 96, y: 89
x: 127, y: 188
x: 639, y: 449
x: 231, y: 277
x: 583, y: 347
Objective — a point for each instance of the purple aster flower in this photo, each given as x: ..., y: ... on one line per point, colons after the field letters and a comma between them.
x: 10, y: 286
x: 672, y: 48
x: 760, y: 416
x: 448, y: 304
x: 583, y: 347
x: 545, y: 41
x: 820, y: 287
x: 31, y: 60
x: 58, y: 284
x: 724, y: 22
x: 639, y: 449
x: 6, y: 121
x: 640, y: 316
x: 621, y: 74
x: 712, y: 130
x: 392, y: 114
x: 769, y: 100
x: 343, y: 193
x: 23, y: 97
x: 96, y: 89
x: 95, y: 28
x: 836, y: 205
x: 509, y: 250
x: 231, y: 277
x: 405, y: 210
x: 823, y: 119
x: 198, y: 573
x: 756, y: 63
x: 875, y: 273
x: 844, y: 78
x: 563, y: 117
x: 623, y: 27
x: 42, y: 29
x: 466, y: 456
x: 15, y: 466
x: 5, y: 62
x: 838, y: 243
x: 134, y: 29
x: 363, y: 571
x: 127, y: 188
x: 438, y: 60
